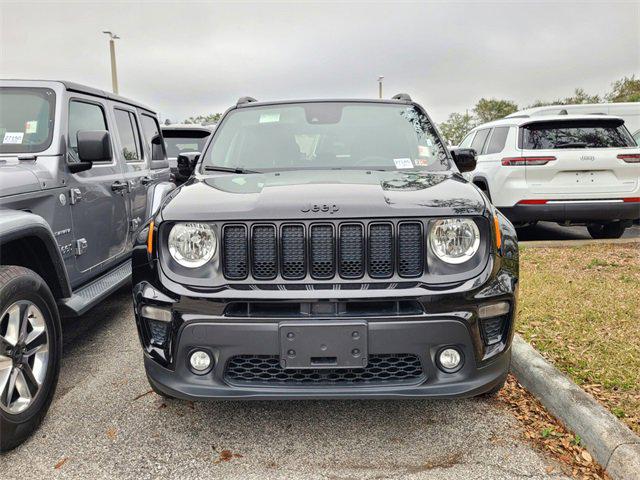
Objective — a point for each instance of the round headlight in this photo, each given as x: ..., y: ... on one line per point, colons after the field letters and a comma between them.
x: 192, y: 244
x: 454, y: 240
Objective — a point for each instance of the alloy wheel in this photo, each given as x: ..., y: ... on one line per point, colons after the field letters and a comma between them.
x: 24, y: 355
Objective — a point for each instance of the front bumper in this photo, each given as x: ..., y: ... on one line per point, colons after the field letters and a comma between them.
x: 423, y: 322
x: 573, y: 211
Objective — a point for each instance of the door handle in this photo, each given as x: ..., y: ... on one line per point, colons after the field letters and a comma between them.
x: 146, y: 180
x: 119, y: 186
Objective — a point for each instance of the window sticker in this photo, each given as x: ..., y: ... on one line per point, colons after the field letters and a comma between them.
x: 422, y: 162
x: 269, y: 117
x: 31, y: 126
x: 13, y: 138
x: 403, y: 163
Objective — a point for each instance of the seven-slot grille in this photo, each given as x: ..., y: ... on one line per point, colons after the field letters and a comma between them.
x: 323, y: 251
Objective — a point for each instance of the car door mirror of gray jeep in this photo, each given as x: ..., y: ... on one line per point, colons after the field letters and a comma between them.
x: 465, y: 159
x: 94, y: 146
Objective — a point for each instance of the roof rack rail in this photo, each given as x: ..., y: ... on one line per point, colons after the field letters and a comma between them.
x: 243, y: 100
x: 517, y: 116
x: 404, y: 97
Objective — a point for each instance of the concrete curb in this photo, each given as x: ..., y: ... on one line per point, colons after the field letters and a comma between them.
x: 574, y: 243
x: 610, y: 442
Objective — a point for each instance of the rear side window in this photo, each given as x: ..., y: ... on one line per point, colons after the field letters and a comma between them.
x: 467, y: 141
x: 479, y: 139
x: 153, y: 137
x: 497, y: 140
x: 575, y: 134
x: 129, y: 135
x: 84, y: 116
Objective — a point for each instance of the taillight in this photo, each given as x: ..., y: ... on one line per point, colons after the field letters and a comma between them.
x: 528, y: 161
x: 532, y: 202
x: 630, y: 157
x: 631, y: 200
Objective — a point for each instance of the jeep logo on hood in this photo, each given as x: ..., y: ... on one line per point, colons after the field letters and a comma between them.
x: 315, y: 208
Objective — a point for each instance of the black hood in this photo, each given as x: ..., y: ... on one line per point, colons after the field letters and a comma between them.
x: 312, y: 194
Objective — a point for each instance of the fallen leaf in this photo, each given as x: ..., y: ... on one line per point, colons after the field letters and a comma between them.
x: 586, y: 456
x: 112, y: 433
x: 60, y: 463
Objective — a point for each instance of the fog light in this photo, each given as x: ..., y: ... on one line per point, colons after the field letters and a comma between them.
x: 450, y: 359
x: 200, y: 361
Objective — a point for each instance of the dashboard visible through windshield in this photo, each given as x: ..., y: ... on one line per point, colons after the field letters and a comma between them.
x: 326, y: 135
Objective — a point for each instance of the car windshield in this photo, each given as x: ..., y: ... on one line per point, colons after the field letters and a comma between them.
x: 26, y: 119
x: 326, y: 135
x: 576, y: 134
x: 178, y: 142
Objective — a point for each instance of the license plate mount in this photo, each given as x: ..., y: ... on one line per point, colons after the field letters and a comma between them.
x: 323, y: 345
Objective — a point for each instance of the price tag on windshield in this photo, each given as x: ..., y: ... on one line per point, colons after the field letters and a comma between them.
x: 403, y: 163
x: 13, y: 138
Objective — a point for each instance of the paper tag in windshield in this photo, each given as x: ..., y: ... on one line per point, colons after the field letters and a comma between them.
x: 31, y: 126
x: 12, y: 138
x: 403, y: 163
x: 269, y: 117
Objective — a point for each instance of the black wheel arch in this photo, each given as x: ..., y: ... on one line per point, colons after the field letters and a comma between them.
x: 33, y: 246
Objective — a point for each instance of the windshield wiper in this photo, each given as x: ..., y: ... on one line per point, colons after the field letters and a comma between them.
x: 571, y: 145
x: 212, y: 168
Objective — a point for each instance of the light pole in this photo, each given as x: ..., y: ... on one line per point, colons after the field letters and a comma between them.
x: 380, y: 78
x: 112, y: 49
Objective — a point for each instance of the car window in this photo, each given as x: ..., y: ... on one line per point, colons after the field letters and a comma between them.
x: 84, y: 116
x: 183, y: 141
x: 497, y: 140
x: 129, y: 135
x: 26, y: 119
x: 479, y: 139
x: 636, y: 137
x: 327, y: 135
x: 467, y: 140
x: 599, y: 133
x: 151, y: 130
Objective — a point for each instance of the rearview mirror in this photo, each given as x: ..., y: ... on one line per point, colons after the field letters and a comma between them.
x: 464, y: 158
x: 93, y: 146
x: 186, y: 165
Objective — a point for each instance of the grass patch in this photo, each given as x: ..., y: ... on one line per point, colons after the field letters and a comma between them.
x: 580, y: 307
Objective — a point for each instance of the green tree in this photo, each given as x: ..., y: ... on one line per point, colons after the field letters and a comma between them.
x: 489, y: 109
x: 204, y: 119
x: 580, y: 96
x: 626, y: 89
x: 457, y: 126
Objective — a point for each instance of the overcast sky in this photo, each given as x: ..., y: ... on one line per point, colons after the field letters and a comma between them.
x: 189, y: 58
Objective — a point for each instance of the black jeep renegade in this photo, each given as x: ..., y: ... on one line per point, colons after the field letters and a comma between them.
x: 326, y: 249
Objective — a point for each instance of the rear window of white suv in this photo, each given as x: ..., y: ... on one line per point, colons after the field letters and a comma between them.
x: 597, y: 133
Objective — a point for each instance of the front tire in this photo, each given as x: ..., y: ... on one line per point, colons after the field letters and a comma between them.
x: 606, y: 230
x: 30, y: 352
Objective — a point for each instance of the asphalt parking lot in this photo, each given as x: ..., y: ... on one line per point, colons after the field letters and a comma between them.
x: 104, y: 423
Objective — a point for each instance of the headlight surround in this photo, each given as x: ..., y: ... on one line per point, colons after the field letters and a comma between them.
x: 192, y: 244
x: 454, y: 240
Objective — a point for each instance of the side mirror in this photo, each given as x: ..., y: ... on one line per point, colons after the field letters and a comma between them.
x: 93, y: 146
x: 187, y: 164
x: 464, y: 158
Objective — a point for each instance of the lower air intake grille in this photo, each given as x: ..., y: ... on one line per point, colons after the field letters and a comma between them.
x: 492, y: 329
x: 235, y: 255
x: 382, y: 369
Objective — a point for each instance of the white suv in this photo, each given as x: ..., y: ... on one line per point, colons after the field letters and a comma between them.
x: 570, y: 169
